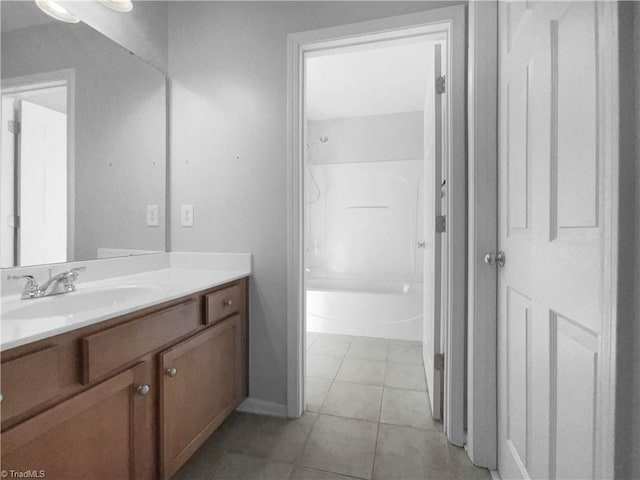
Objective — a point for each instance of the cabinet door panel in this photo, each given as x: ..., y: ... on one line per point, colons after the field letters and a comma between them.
x: 92, y: 435
x: 204, y: 388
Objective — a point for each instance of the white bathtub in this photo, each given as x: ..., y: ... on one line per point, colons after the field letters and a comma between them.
x: 371, y: 309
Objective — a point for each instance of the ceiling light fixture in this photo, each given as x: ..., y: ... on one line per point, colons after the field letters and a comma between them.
x: 118, y: 5
x: 54, y: 10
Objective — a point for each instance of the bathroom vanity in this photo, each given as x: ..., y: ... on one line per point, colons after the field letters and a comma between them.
x: 131, y: 396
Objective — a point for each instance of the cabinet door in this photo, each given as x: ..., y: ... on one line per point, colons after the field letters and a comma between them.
x: 102, y: 433
x: 200, y: 385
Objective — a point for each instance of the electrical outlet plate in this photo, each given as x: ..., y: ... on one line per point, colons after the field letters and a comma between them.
x: 152, y: 216
x: 186, y: 215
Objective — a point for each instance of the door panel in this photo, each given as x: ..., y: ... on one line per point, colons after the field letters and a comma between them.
x: 431, y: 342
x: 549, y: 291
x: 205, y: 386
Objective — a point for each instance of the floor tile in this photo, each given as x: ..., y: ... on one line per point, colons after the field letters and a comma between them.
x: 405, y: 376
x: 311, y: 338
x: 199, y: 466
x: 405, y: 352
x: 341, y: 445
x: 367, y: 348
x: 323, y: 366
x: 354, y: 401
x: 361, y: 371
x: 276, y: 471
x: 329, y: 344
x: 462, y: 467
x: 277, y: 439
x: 404, y: 453
x: 407, y: 407
x: 316, y: 390
x: 302, y: 473
x: 233, y: 466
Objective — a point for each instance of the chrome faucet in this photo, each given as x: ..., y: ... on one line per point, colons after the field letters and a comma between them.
x: 56, y: 285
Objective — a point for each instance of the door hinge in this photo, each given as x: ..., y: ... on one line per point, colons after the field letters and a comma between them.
x: 440, y: 85
x: 14, y: 127
x: 441, y: 224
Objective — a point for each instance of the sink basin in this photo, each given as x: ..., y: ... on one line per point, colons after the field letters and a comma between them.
x: 69, y: 304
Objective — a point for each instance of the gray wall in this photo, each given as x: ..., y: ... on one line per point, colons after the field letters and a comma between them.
x: 143, y: 30
x: 228, y: 64
x: 119, y: 132
x: 372, y: 138
x: 628, y: 344
x: 636, y: 291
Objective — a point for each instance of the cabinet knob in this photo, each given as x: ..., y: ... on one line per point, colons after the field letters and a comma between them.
x: 143, y: 389
x: 227, y: 303
x: 172, y: 372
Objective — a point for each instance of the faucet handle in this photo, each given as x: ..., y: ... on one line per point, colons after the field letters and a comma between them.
x: 30, y: 279
x: 30, y: 288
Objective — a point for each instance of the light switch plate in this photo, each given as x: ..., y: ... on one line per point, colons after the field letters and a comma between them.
x: 186, y: 215
x: 152, y: 215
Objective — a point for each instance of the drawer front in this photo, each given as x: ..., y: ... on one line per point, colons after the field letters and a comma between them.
x: 37, y: 377
x: 221, y: 304
x: 107, y: 350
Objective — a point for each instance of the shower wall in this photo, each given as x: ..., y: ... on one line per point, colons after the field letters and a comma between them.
x: 363, y: 197
x: 363, y: 219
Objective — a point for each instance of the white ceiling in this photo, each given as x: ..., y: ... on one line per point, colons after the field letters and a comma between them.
x: 21, y: 14
x: 372, y: 81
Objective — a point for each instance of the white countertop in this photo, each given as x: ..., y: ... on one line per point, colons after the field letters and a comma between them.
x: 100, y: 300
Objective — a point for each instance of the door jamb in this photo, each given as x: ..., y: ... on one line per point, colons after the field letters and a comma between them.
x: 453, y: 19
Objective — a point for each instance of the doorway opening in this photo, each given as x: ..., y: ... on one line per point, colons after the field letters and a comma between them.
x: 376, y: 115
x: 369, y: 120
x: 37, y: 129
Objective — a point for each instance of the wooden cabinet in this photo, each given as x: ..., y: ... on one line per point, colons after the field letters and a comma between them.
x: 132, y: 397
x: 200, y: 386
x: 109, y: 419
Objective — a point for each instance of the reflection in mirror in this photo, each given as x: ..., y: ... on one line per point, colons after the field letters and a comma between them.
x: 82, y: 171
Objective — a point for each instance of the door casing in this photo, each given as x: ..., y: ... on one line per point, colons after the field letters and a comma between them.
x: 450, y: 21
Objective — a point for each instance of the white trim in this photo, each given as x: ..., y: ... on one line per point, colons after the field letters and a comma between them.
x: 608, y: 97
x: 262, y: 407
x: 452, y: 21
x: 482, y: 414
x: 456, y: 175
x: 66, y: 77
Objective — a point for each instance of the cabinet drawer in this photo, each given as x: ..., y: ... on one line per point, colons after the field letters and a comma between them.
x: 37, y: 377
x: 221, y: 304
x: 107, y: 350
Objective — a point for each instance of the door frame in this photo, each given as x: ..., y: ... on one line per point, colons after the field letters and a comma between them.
x: 482, y: 326
x: 57, y: 78
x: 452, y: 21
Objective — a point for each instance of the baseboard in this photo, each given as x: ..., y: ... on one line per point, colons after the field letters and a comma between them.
x: 263, y: 407
x: 495, y: 475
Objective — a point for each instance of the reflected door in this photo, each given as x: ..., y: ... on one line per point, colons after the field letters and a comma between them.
x: 42, y: 185
x: 551, y: 216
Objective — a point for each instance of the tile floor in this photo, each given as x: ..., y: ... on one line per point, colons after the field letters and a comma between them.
x: 367, y: 419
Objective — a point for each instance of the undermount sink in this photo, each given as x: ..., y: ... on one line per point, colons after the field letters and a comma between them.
x: 79, y: 301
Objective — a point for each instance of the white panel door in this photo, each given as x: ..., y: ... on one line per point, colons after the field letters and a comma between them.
x: 431, y: 341
x: 551, y: 217
x: 43, y: 185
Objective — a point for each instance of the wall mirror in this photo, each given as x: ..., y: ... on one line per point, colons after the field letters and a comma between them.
x: 83, y: 168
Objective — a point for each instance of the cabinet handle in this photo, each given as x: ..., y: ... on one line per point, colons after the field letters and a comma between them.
x: 1, y: 397
x: 227, y: 303
x: 143, y: 389
x: 172, y: 372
